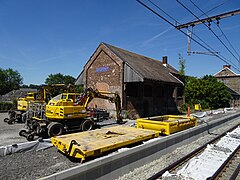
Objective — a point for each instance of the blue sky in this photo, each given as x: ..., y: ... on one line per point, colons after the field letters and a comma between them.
x: 40, y: 37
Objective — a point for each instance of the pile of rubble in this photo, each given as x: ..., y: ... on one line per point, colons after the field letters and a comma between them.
x: 15, y: 94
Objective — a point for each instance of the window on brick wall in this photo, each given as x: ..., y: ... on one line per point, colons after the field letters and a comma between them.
x: 148, y: 91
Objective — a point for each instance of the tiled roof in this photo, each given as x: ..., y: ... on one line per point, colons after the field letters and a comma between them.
x: 147, y: 67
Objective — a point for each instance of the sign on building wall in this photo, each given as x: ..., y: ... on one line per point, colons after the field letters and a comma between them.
x: 102, y: 69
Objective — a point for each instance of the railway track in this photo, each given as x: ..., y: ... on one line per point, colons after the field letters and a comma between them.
x: 230, y: 168
x: 227, y: 170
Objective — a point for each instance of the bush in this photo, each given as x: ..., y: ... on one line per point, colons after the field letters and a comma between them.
x: 14, y: 104
x: 5, y: 106
x: 204, y: 105
x: 184, y: 107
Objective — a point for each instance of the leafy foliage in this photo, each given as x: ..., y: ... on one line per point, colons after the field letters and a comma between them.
x: 60, y: 79
x: 207, y: 91
x: 79, y: 89
x: 9, y: 80
x: 182, y: 65
x: 32, y: 86
x: 4, y: 106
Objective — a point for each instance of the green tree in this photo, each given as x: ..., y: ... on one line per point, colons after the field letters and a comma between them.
x: 60, y: 79
x: 207, y: 91
x: 32, y: 86
x: 9, y: 80
x: 182, y: 65
x: 182, y: 77
x: 216, y: 92
x: 192, y: 87
x: 79, y: 89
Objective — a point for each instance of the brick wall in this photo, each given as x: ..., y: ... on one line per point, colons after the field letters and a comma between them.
x: 104, y: 73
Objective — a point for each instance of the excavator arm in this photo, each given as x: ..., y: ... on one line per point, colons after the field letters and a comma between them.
x: 90, y: 94
x: 44, y: 94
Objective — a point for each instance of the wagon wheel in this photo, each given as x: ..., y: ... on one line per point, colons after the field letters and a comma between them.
x: 55, y: 129
x: 11, y: 121
x: 30, y: 137
x: 24, y: 117
x: 87, y: 125
x: 6, y: 120
x: 22, y: 132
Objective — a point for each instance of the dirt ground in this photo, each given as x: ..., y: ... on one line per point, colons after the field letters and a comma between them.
x: 28, y: 165
x: 33, y: 165
x: 9, y: 132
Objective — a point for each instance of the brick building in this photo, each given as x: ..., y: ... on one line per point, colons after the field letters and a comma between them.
x: 146, y: 86
x: 232, y: 81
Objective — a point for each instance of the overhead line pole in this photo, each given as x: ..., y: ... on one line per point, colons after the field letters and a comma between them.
x: 190, y: 32
x: 209, y: 29
x: 217, y: 23
x: 213, y: 53
x: 209, y: 19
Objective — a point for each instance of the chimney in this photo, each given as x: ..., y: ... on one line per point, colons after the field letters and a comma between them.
x: 164, y: 59
x: 227, y: 66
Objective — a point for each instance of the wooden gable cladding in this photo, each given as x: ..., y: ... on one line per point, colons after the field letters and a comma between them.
x: 130, y: 75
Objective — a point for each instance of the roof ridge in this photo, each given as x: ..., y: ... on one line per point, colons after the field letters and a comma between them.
x: 130, y: 52
x: 144, y: 66
x: 107, y: 45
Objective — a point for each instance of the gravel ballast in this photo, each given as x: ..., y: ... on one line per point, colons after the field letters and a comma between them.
x: 155, y: 166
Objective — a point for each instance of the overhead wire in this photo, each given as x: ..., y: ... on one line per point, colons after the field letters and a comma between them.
x: 209, y: 29
x: 215, y: 7
x: 164, y: 12
x: 191, y: 31
x: 229, y: 43
x: 218, y: 27
x: 212, y: 52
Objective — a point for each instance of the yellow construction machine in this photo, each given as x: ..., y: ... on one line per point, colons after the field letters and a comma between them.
x: 22, y: 103
x: 31, y: 103
x: 22, y: 107
x: 69, y: 112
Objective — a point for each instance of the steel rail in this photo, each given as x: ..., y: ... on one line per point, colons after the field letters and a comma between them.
x: 220, y: 170
x: 190, y: 155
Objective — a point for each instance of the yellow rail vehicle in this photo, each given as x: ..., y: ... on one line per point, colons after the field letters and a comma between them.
x: 69, y: 112
x: 167, y: 124
x: 64, y: 107
x: 22, y: 107
x: 94, y: 143
x: 33, y: 100
x: 22, y: 103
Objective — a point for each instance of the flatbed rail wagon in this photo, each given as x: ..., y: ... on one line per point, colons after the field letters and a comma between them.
x: 96, y: 142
